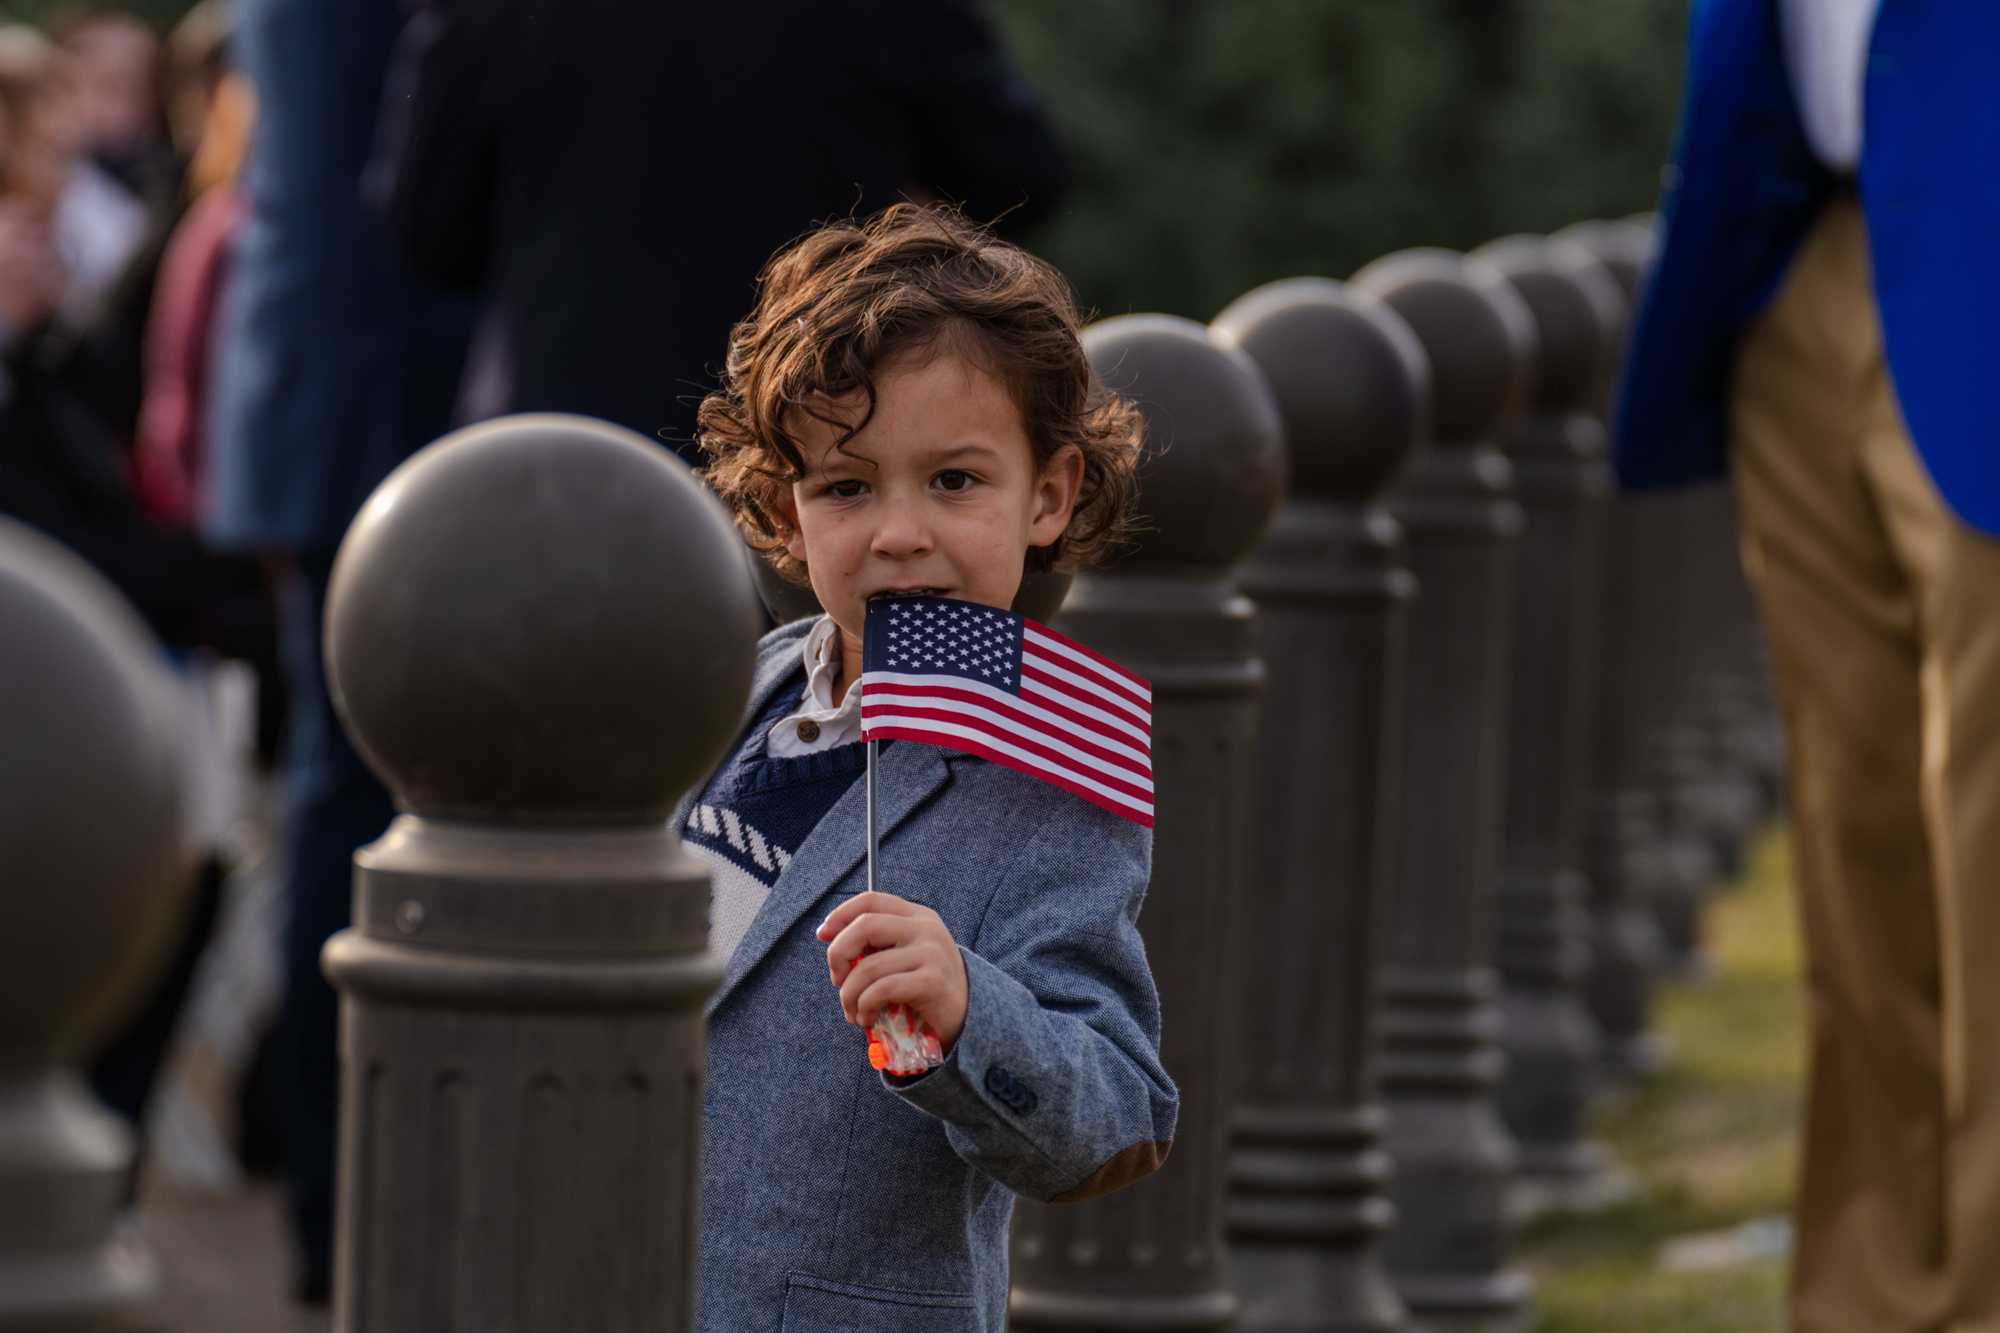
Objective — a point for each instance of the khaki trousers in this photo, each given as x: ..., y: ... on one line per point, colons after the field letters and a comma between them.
x: 1883, y: 611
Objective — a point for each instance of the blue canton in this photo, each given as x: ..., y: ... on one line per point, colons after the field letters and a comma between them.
x: 929, y: 636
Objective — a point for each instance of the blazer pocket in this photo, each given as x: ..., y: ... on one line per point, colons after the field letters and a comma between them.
x: 815, y: 1305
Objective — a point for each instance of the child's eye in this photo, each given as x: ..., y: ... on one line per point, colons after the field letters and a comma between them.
x: 846, y: 489
x: 954, y: 479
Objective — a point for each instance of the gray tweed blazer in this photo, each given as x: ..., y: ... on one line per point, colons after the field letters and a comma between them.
x: 835, y: 1198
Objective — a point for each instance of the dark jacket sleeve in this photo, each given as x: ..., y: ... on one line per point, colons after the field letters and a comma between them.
x: 431, y: 176
x: 983, y: 138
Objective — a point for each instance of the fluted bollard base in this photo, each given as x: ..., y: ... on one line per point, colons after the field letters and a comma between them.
x: 1552, y: 1046
x: 1476, y: 1292
x: 1308, y: 1206
x: 1304, y: 1289
x: 1555, y: 1052
x: 1561, y: 1170
x: 1045, y: 1309
x: 1628, y: 955
x: 1450, y: 1248
x: 65, y: 1264
x: 523, y: 1048
x: 1626, y: 939
x: 1686, y: 869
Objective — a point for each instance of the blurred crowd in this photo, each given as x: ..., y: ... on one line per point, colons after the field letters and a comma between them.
x: 250, y: 264
x: 118, y: 160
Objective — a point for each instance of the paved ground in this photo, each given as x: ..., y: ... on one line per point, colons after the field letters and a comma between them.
x: 222, y: 1264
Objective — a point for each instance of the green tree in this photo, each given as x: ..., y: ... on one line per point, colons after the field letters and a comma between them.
x: 1224, y: 143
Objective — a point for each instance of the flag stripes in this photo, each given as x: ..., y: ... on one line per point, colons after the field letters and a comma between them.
x: 1115, y: 682
x: 988, y: 746
x: 905, y: 710
x: 1118, y: 744
x: 997, y: 685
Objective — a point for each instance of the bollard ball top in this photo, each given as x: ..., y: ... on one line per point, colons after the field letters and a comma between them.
x: 1351, y: 381
x: 541, y: 620
x: 90, y: 827
x: 1625, y: 247
x: 1578, y: 311
x: 1214, y: 465
x: 1476, y: 333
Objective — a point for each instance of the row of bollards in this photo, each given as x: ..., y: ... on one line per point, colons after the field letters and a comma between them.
x: 1449, y: 743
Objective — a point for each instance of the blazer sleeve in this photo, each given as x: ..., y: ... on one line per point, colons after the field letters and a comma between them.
x: 431, y: 177
x: 1055, y: 1086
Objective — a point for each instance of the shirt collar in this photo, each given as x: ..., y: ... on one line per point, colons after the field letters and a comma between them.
x: 836, y: 723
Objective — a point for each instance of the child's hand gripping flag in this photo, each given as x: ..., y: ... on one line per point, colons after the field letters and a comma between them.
x: 1010, y: 690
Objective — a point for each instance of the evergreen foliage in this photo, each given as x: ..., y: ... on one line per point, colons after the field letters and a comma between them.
x: 1223, y: 143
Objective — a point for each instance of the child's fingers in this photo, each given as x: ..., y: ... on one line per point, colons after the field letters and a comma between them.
x: 887, y: 904
x: 871, y: 971
x: 871, y: 931
x: 914, y: 987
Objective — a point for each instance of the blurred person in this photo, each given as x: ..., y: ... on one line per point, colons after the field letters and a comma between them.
x: 1818, y: 315
x: 616, y: 233
x: 179, y: 334
x: 197, y: 58
x: 120, y: 107
x: 106, y: 242
x: 64, y: 447
x: 97, y: 225
x: 331, y: 368
x: 64, y: 469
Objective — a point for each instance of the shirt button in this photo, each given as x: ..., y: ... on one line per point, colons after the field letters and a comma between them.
x: 808, y: 730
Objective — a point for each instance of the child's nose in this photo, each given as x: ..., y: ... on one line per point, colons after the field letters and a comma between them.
x: 902, y: 533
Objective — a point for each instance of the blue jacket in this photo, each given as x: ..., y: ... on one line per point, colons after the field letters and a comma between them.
x: 1742, y: 192
x: 834, y: 1197
x: 332, y: 368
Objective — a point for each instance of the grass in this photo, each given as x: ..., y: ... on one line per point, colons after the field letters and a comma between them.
x: 1713, y: 1138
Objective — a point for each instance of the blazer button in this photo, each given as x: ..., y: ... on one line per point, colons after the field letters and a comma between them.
x: 808, y: 730
x: 1000, y: 1083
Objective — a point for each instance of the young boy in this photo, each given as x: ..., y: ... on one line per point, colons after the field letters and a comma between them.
x: 908, y: 409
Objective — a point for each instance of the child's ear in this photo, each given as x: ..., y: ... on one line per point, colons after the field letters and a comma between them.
x: 1055, y: 496
x: 788, y: 518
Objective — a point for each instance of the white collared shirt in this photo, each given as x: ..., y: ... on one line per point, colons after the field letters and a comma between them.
x: 1826, y: 50
x: 820, y: 723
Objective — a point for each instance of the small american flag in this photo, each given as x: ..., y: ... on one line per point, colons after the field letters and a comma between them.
x: 1000, y: 686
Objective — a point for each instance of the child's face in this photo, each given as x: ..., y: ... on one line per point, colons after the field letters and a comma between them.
x: 939, y: 493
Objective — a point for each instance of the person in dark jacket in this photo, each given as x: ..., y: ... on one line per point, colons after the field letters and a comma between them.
x: 611, y: 177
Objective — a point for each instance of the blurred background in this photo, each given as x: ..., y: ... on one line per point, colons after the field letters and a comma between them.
x: 1213, y: 145
x: 1217, y: 145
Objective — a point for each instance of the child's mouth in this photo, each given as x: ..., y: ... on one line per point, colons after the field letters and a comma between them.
x: 908, y: 592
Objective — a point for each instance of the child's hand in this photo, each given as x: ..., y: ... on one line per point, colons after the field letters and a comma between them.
x: 910, y: 959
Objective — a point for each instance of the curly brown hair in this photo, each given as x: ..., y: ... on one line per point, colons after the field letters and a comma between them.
x: 839, y: 303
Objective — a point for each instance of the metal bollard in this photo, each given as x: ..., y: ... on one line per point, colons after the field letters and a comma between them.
x: 1622, y: 861
x: 1440, y: 1054
x: 1730, y: 801
x: 1742, y: 723
x: 539, y: 632
x: 90, y: 835
x: 1308, y: 1175
x: 1562, y: 479
x: 1153, y: 1256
